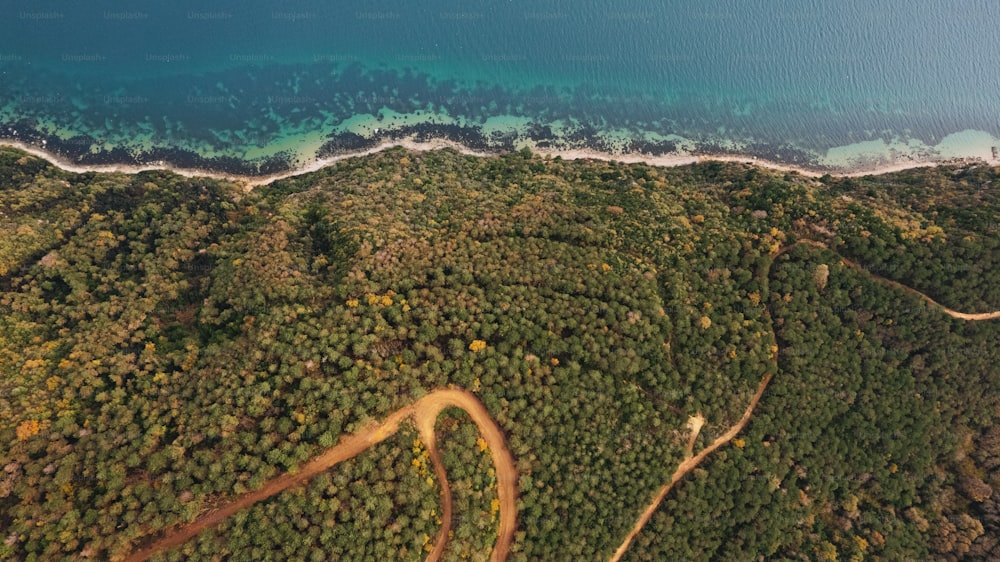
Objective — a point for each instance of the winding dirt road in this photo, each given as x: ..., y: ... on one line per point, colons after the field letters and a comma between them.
x: 688, y: 465
x: 976, y: 316
x: 897, y: 285
x: 425, y: 412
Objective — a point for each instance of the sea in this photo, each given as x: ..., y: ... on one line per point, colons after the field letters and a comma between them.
x: 257, y: 87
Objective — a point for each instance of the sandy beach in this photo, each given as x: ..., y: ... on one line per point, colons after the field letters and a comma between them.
x: 410, y: 143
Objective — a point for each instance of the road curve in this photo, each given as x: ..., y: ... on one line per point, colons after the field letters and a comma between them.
x: 687, y: 466
x: 974, y: 316
x: 425, y: 411
x: 897, y: 285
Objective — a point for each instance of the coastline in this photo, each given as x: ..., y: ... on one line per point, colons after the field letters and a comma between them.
x: 415, y: 143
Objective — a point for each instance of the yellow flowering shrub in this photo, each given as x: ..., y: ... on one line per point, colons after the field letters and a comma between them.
x: 26, y: 429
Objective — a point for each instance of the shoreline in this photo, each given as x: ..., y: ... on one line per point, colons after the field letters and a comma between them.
x: 412, y: 143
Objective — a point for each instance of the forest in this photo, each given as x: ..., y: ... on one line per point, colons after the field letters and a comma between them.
x: 169, y: 344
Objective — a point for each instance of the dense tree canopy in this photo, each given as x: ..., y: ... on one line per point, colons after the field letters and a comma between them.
x: 167, y: 343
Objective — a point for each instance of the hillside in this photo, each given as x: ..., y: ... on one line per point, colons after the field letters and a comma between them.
x: 169, y: 345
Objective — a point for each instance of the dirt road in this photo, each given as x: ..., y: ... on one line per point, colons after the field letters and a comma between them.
x: 688, y: 465
x: 897, y: 285
x: 953, y: 313
x: 425, y: 411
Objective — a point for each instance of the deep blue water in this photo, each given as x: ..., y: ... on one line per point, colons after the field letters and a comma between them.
x: 787, y: 79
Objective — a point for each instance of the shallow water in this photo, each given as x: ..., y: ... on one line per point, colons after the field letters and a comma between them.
x: 254, y: 85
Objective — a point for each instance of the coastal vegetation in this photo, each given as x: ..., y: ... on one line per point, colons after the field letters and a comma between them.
x: 169, y: 344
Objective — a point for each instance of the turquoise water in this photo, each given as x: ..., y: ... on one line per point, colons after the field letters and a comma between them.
x: 261, y: 86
